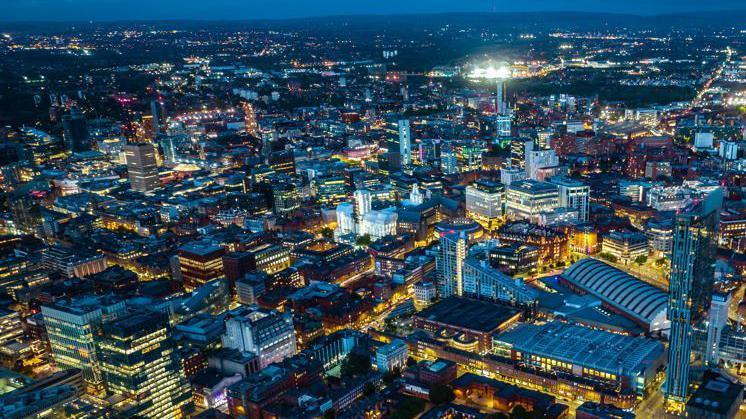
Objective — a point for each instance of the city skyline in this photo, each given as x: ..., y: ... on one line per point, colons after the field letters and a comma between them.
x: 442, y: 212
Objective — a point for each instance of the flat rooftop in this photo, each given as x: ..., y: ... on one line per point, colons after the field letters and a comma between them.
x: 717, y: 395
x: 533, y: 187
x: 584, y: 346
x: 466, y: 313
x: 200, y: 248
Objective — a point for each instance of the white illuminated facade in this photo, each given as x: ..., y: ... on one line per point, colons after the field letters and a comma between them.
x: 573, y: 194
x: 449, y: 263
x: 267, y: 334
x: 345, y: 219
x: 540, y: 159
x: 525, y: 200
x: 484, y: 203
x: 379, y: 224
x: 363, y: 201
x: 509, y: 175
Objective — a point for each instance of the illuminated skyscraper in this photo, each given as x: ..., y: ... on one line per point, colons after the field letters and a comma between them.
x: 363, y: 201
x: 690, y: 288
x: 573, y: 194
x: 717, y: 319
x: 75, y: 130
x: 72, y: 326
x: 405, y: 142
x: 504, y: 125
x: 140, y: 364
x: 156, y: 123
x: 518, y: 149
x: 448, y: 162
x: 449, y: 263
x: 142, y: 166
x: 399, y: 144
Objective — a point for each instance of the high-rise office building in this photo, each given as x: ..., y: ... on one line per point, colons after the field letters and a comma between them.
x: 399, y: 144
x: 542, y: 138
x: 538, y: 161
x: 448, y: 162
x: 484, y: 203
x: 72, y: 326
x: 282, y: 161
x: 154, y: 113
x: 75, y: 131
x: 405, y: 142
x: 573, y: 194
x: 504, y: 125
x: 526, y: 199
x: 199, y: 263
x: 267, y: 334
x: 141, y: 365
x: 362, y: 201
x: 717, y: 319
x: 518, y: 149
x: 449, y: 263
x: 690, y: 286
x: 501, y: 107
x: 508, y: 175
x: 286, y: 197
x: 142, y: 166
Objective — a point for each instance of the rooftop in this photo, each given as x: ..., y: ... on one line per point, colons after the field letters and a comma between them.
x: 716, y: 394
x: 619, y: 289
x: 85, y: 304
x: 200, y: 248
x: 580, y: 345
x: 466, y: 313
x: 533, y: 187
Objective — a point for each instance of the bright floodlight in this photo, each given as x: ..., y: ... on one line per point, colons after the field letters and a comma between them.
x: 491, y: 73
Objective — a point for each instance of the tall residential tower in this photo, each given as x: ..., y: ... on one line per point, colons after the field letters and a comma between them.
x: 142, y: 166
x: 690, y: 288
x: 449, y: 263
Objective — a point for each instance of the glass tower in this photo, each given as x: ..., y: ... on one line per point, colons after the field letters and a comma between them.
x: 405, y: 142
x: 141, y: 364
x: 690, y: 289
x: 71, y: 328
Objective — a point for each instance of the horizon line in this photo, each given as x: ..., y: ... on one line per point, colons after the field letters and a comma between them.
x: 362, y: 15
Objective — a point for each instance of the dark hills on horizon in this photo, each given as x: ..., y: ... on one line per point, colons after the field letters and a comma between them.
x: 512, y: 20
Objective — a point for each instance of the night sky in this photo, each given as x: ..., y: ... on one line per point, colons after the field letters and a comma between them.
x: 81, y: 10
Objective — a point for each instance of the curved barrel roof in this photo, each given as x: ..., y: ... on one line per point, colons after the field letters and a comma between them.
x: 619, y: 289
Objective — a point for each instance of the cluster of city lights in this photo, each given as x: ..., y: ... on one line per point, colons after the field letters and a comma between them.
x: 491, y: 72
